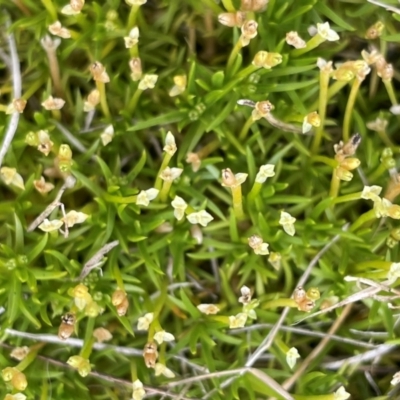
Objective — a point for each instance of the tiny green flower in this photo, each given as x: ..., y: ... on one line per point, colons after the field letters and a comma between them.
x: 163, y: 336
x: 325, y: 31
x: 287, y: 222
x: 133, y: 38
x: 179, y: 206
x: 341, y: 394
x: 11, y: 177
x: 145, y: 321
x: 396, y: 379
x: 50, y: 226
x: 81, y: 364
x: 293, y: 39
x: 145, y: 196
x: 74, y: 217
x: 58, y: 30
x: 53, y: 103
x: 201, y: 217
x: 394, y: 272
x: 148, y: 82
x: 266, y: 171
x: 161, y: 369
x: 291, y: 357
x: 208, y: 309
x: 170, y: 144
x: 81, y: 296
x: 107, y: 135
x: 237, y: 321
x: 371, y: 192
x: 138, y: 391
x: 170, y: 174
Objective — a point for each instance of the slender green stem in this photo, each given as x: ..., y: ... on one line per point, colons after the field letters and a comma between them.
x: 228, y: 5
x: 234, y: 53
x: 349, y: 108
x: 237, y: 201
x: 246, y: 127
x: 30, y: 357
x: 314, y: 42
x: 118, y: 277
x: 284, y: 302
x: 89, y: 339
x: 385, y: 138
x: 132, y: 17
x: 134, y: 100
x: 103, y: 99
x: 362, y: 219
x: 255, y: 190
x: 335, y: 185
x: 316, y: 397
x: 246, y: 72
x: 166, y: 186
x: 133, y: 370
x: 347, y: 197
x: 164, y: 164
x: 390, y: 90
x: 48, y: 4
x: 323, y: 99
x: 325, y: 160
x: 373, y: 264
x: 333, y: 89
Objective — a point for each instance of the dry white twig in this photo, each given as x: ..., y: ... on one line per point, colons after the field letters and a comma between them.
x: 69, y: 183
x: 95, y: 260
x: 17, y: 92
x: 386, y: 6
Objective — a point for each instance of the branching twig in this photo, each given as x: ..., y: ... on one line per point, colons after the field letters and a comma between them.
x: 69, y: 183
x: 94, y: 261
x: 17, y: 91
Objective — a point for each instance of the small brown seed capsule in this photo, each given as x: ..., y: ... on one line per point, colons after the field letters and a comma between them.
x: 67, y: 326
x: 150, y: 354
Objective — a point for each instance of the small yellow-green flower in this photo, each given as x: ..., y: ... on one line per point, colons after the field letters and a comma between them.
x: 325, y: 31
x: 81, y: 364
x: 170, y: 174
x: 341, y: 394
x: 148, y: 82
x: 371, y: 192
x: 50, y: 226
x: 145, y: 196
x: 161, y: 369
x: 74, y: 217
x: 237, y: 321
x: 179, y: 206
x: 201, y: 217
x: 133, y: 38
x: 10, y: 176
x: 107, y: 135
x: 208, y: 309
x: 138, y: 391
x: 170, y: 144
x: 394, y: 272
x: 145, y: 321
x: 291, y: 357
x: 287, y: 222
x: 163, y: 336
x: 266, y: 171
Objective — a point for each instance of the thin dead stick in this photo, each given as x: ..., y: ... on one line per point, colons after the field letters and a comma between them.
x: 361, y: 358
x: 386, y: 6
x: 69, y: 183
x: 274, y: 121
x: 95, y: 260
x: 70, y: 137
x: 361, y: 295
x: 305, y: 332
x: 17, y: 91
x: 73, y: 342
x: 314, y: 354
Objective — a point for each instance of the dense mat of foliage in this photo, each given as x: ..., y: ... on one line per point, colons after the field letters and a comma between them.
x: 185, y: 181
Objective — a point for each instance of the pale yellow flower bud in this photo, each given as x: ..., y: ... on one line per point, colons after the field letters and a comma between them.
x: 249, y: 31
x: 170, y: 174
x: 266, y: 60
x: 145, y: 196
x: 194, y: 160
x: 208, y: 309
x: 232, y: 19
x: 201, y: 217
x: 99, y: 73
x: 266, y: 171
x: 19, y: 353
x: 53, y: 103
x: 74, y: 7
x: 293, y: 39
x: 107, y: 135
x: 42, y: 186
x: 74, y: 217
x: 375, y: 30
x: 325, y: 31
x: 133, y: 38
x: 17, y: 105
x: 50, y: 226
x: 58, y: 30
x: 163, y: 336
x: 10, y: 176
x: 230, y: 180
x: 81, y: 364
x: 237, y: 321
x: 287, y: 222
x: 179, y: 206
x: 92, y: 101
x: 161, y: 369
x: 148, y: 82
x: 261, y: 109
x: 170, y: 144
x: 135, y: 64
x: 145, y: 321
x: 291, y: 357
